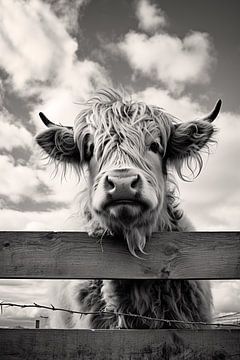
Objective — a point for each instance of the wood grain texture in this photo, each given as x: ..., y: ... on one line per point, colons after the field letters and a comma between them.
x: 26, y: 344
x: 175, y: 255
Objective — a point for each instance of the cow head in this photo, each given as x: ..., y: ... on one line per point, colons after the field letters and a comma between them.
x: 126, y: 149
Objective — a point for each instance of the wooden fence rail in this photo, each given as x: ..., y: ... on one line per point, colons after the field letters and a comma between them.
x: 175, y: 255
x: 172, y: 255
x: 26, y: 344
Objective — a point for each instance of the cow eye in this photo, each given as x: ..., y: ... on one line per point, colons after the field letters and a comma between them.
x: 154, y: 147
x: 89, y: 148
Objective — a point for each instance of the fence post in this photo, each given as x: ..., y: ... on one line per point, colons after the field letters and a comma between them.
x: 37, y: 324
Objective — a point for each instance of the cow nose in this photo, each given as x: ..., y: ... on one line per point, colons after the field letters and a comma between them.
x: 122, y: 187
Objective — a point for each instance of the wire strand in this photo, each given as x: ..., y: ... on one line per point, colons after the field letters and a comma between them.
x: 54, y: 308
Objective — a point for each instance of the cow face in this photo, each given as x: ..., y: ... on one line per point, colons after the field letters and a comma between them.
x: 126, y: 149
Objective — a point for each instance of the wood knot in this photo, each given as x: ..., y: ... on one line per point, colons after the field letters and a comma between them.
x: 171, y: 249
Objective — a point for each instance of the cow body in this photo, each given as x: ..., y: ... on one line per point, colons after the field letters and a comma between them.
x: 126, y: 151
x: 184, y: 300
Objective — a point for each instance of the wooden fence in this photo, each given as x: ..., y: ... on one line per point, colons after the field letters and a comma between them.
x: 65, y: 255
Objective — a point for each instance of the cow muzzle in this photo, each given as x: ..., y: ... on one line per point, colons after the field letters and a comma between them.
x: 123, y: 194
x: 122, y: 187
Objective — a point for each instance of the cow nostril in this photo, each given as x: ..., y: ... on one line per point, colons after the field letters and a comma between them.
x: 135, y: 181
x: 109, y: 183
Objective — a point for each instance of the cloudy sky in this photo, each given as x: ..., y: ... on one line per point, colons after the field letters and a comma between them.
x: 182, y: 56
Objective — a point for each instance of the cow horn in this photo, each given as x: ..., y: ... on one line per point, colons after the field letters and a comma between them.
x: 49, y: 123
x: 214, y: 113
x: 46, y: 121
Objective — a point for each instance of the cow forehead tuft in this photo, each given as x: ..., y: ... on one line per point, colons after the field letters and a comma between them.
x: 110, y: 112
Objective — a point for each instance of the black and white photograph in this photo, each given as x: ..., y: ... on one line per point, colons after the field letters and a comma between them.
x: 119, y: 179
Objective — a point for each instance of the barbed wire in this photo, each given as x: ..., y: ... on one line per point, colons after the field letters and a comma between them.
x: 227, y: 315
x: 118, y: 314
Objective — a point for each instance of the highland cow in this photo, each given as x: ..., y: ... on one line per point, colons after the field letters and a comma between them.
x: 126, y: 150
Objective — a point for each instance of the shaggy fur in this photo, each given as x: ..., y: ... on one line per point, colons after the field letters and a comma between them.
x: 116, y: 134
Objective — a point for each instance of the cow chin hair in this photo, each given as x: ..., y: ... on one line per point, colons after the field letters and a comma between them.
x: 138, y: 233
x: 163, y: 218
x: 136, y: 240
x: 135, y: 234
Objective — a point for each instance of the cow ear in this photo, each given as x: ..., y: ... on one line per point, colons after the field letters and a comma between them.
x: 58, y: 143
x: 187, y: 139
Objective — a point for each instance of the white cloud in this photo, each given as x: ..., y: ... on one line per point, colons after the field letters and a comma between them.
x: 11, y: 135
x: 60, y: 103
x: 45, y: 63
x: 37, y: 182
x: 55, y: 220
x: 68, y: 12
x: 22, y: 182
x: 34, y: 43
x: 169, y: 59
x: 149, y: 15
x: 39, y: 54
x: 226, y: 296
x: 16, y: 181
x: 184, y: 107
x: 31, y: 290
